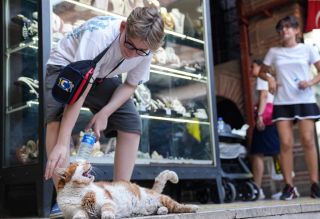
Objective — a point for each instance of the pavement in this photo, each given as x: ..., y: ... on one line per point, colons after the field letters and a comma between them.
x: 301, y: 208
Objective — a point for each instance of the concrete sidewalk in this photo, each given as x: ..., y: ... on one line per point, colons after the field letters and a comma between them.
x: 302, y: 208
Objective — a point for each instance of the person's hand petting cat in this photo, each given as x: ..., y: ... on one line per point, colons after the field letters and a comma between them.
x: 55, y: 159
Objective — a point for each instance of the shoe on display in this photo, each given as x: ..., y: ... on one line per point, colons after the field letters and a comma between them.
x: 315, y: 191
x: 29, y: 28
x: 32, y: 149
x: 56, y: 213
x: 288, y: 193
x: 57, y: 26
x: 277, y: 195
x: 201, y: 114
x: 22, y: 154
x: 33, y: 84
x: 172, y: 58
x: 160, y: 56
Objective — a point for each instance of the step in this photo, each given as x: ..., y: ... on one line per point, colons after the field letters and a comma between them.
x: 302, y: 208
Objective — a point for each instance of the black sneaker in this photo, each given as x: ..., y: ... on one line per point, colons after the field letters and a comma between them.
x: 315, y: 191
x: 287, y: 193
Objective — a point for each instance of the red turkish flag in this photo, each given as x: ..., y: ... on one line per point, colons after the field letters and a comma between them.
x: 313, y: 21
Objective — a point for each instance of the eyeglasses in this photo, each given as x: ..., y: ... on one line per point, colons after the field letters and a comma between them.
x: 129, y: 46
x: 287, y: 26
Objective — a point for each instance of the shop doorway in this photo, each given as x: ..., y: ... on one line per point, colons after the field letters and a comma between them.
x: 229, y: 111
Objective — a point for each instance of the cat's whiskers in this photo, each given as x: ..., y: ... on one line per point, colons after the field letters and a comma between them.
x: 96, y: 170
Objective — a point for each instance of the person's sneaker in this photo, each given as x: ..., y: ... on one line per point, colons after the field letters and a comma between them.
x: 56, y: 213
x: 288, y: 193
x: 315, y: 191
x: 261, y: 195
x: 277, y: 195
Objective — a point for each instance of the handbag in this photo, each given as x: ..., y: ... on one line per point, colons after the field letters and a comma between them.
x: 267, y: 114
x: 75, y: 77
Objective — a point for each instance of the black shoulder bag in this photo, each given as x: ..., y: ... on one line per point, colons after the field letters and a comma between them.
x: 75, y: 77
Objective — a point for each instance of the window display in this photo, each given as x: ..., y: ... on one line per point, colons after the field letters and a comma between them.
x: 173, y: 104
x: 21, y: 80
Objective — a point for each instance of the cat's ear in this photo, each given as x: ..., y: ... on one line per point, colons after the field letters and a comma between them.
x: 61, y: 172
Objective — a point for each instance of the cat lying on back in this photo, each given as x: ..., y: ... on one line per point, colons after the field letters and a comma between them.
x: 79, y: 197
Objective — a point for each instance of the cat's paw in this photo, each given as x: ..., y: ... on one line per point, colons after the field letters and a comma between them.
x: 193, y: 208
x: 107, y: 215
x: 162, y: 210
x: 80, y: 217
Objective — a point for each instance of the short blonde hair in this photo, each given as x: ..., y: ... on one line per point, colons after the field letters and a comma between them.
x: 146, y: 24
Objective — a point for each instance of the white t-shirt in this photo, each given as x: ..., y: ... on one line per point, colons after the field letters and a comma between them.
x: 289, y: 64
x: 263, y: 85
x: 90, y: 39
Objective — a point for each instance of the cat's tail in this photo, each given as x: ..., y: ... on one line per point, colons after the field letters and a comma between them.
x: 162, y: 179
x: 175, y: 207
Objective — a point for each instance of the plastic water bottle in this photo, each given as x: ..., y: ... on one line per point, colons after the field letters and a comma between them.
x: 221, y: 125
x: 86, y: 145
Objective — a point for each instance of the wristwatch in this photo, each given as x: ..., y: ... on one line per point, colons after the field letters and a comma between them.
x: 259, y: 114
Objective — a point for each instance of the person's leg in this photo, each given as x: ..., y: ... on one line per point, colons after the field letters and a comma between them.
x: 257, y: 167
x: 125, y: 124
x: 306, y: 132
x: 286, y: 144
x: 126, y: 153
x: 51, y: 141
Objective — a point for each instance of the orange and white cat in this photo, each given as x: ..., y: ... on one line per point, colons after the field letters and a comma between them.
x: 79, y: 197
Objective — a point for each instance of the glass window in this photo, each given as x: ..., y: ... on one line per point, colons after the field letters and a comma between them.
x: 21, y: 77
x: 173, y: 104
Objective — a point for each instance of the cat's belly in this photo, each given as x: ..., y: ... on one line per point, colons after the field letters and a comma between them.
x: 132, y: 206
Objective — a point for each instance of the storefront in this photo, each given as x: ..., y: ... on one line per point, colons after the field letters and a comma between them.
x: 177, y: 105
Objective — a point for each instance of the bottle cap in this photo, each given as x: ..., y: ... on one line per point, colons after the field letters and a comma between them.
x: 296, y: 79
x: 92, y: 127
x: 220, y: 118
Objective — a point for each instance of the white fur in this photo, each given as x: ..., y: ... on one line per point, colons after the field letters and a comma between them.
x: 126, y: 203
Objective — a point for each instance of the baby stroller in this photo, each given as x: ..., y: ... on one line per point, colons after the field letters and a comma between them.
x: 236, y: 176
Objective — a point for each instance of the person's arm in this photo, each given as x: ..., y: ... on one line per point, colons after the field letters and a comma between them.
x: 119, y: 97
x: 70, y: 116
x: 272, y: 83
x: 305, y: 84
x: 262, y: 105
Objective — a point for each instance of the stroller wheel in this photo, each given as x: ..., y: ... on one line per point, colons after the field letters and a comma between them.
x: 246, y: 192
x: 203, y: 195
x: 256, y: 191
x: 230, y: 193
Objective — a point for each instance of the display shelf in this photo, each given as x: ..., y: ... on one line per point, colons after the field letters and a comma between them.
x: 177, y: 119
x: 162, y: 70
x: 146, y: 115
x: 18, y: 107
x: 33, y: 43
x: 140, y: 161
x: 89, y: 7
